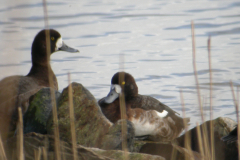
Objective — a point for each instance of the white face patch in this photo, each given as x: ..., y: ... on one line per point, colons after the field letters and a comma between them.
x: 162, y: 114
x: 59, y: 43
x: 118, y: 89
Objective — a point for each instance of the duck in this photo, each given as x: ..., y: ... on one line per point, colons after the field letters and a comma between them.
x: 16, y: 90
x: 151, y: 119
x: 231, y: 137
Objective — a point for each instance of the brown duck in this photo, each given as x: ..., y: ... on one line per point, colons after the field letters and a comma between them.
x: 149, y: 116
x: 15, y: 91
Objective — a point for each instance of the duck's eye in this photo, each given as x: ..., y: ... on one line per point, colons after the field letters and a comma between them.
x: 52, y: 38
x: 123, y: 82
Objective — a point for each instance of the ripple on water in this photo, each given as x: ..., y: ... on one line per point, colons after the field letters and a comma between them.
x: 25, y: 6
x: 77, y: 73
x: 78, y: 57
x: 156, y: 60
x: 225, y: 32
x: 200, y: 72
x: 103, y: 35
x: 10, y: 65
x: 203, y: 25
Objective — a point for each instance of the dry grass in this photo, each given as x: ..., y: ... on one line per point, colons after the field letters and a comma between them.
x: 20, y: 135
x: 187, y: 141
x: 123, y: 109
x: 2, y: 151
x: 54, y: 107
x: 72, y: 119
x: 236, y: 104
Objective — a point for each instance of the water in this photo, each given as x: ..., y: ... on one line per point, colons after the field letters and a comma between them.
x: 154, y: 37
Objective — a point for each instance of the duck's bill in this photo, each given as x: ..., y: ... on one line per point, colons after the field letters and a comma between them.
x: 113, y: 94
x: 66, y: 48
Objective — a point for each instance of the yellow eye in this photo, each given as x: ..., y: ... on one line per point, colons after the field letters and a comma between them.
x: 123, y: 82
x: 52, y: 38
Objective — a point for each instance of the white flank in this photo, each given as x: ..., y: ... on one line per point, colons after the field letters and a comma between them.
x: 143, y: 128
x: 59, y: 43
x: 162, y: 114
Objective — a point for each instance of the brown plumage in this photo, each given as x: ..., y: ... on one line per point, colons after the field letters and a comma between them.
x: 15, y: 91
x: 149, y: 116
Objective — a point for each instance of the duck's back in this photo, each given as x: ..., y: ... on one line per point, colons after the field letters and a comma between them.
x: 15, y: 86
x: 150, y: 103
x: 15, y: 92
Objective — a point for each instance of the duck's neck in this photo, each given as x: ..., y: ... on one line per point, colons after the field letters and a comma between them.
x: 41, y: 73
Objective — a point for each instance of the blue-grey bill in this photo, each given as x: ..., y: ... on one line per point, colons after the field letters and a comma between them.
x: 112, y: 95
x: 67, y: 48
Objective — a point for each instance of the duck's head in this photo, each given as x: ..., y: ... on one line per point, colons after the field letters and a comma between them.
x: 40, y: 42
x: 122, y: 82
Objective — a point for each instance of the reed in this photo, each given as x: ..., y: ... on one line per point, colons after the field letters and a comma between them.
x: 2, y: 150
x: 72, y: 119
x: 123, y: 109
x: 187, y: 140
x: 44, y: 152
x: 63, y: 153
x: 37, y: 154
x: 50, y: 75
x: 210, y: 100
x: 200, y: 140
x: 205, y: 143
x: 20, y: 134
x: 195, y: 70
x: 237, y: 109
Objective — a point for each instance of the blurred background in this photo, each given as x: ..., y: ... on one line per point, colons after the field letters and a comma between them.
x: 154, y: 36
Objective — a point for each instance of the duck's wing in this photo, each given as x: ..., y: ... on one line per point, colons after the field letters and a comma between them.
x: 14, y: 93
x: 158, y: 126
x: 231, y: 137
x: 150, y: 103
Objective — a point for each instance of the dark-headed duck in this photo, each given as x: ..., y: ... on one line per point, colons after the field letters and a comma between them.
x: 15, y: 91
x: 149, y: 116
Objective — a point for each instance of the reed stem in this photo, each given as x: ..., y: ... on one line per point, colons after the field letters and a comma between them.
x: 123, y: 109
x: 238, y: 126
x: 20, y: 134
x: 2, y: 151
x: 210, y: 98
x: 187, y: 139
x: 195, y: 70
x: 50, y: 75
x: 72, y: 119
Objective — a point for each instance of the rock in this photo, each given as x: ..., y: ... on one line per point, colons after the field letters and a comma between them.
x: 223, y: 151
x: 43, y: 146
x: 40, y: 107
x: 113, y: 139
x: 119, y: 155
x: 138, y: 145
x: 37, y: 143
x: 92, y: 128
x: 222, y: 127
x: 169, y: 151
